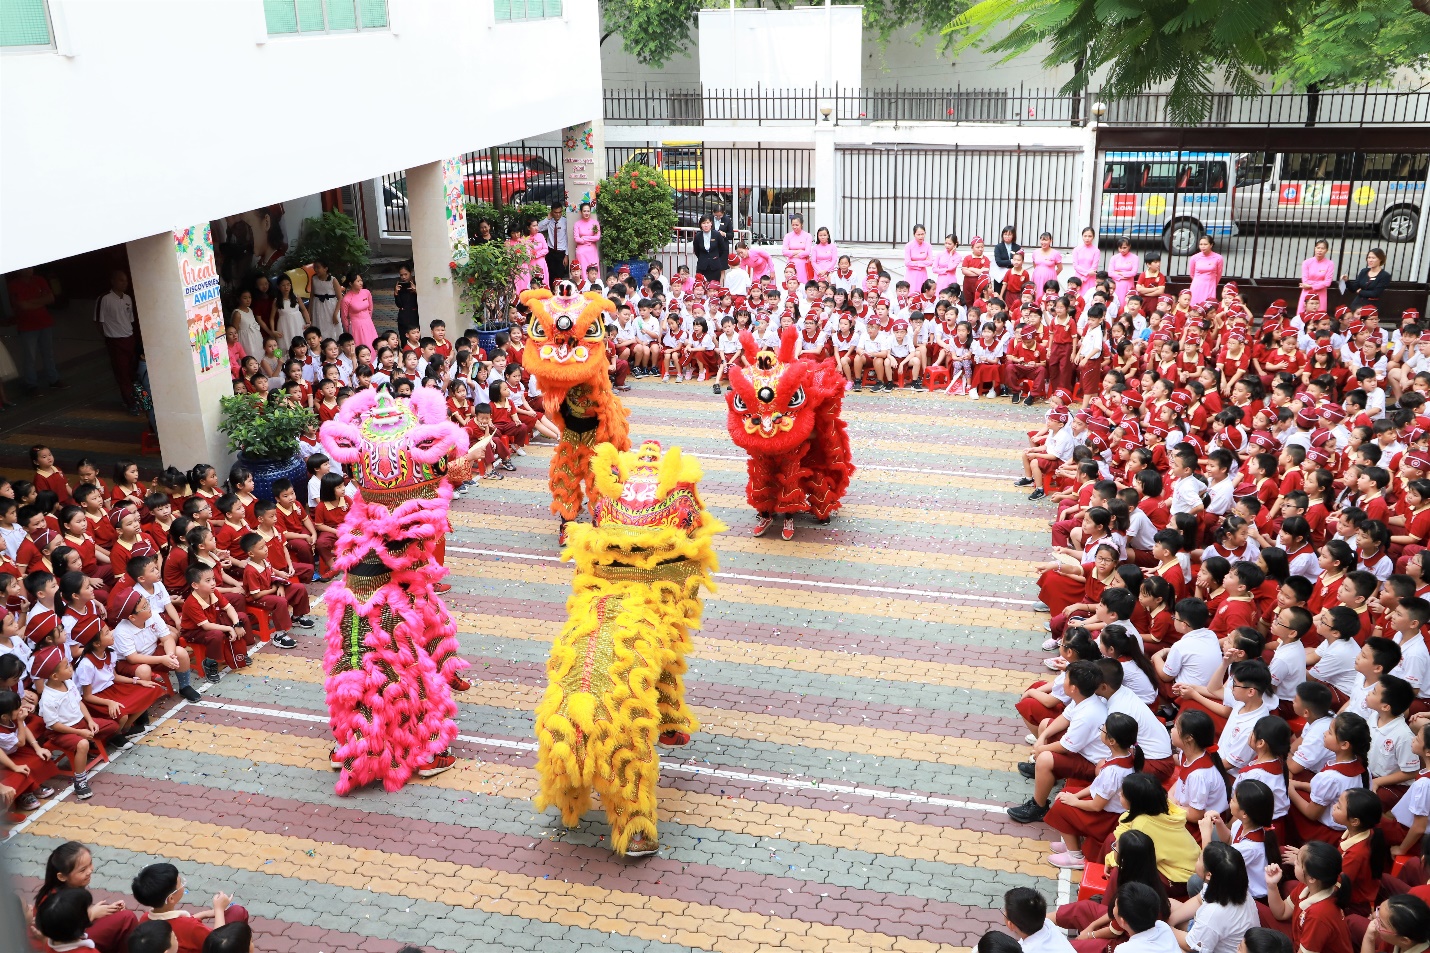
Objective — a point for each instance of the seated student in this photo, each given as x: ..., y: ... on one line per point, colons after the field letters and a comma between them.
x: 1393, y: 763
x: 1316, y: 907
x: 1333, y: 663
x: 63, y: 919
x: 1238, y: 606
x: 1152, y: 735
x: 294, y: 525
x: 1252, y: 831
x: 1200, y: 788
x: 72, y: 729
x: 236, y: 938
x: 143, y: 652
x: 1288, y: 661
x: 1195, y: 657
x: 280, y: 558
x: 1295, y: 539
x: 1405, y: 826
x: 1270, y: 746
x: 1166, y: 550
x: 1401, y: 923
x: 161, y: 888
x: 1312, y: 706
x: 1406, y: 624
x: 1043, y: 700
x: 1216, y: 697
x: 1086, y: 817
x: 234, y: 526
x: 1225, y: 909
x: 1249, y: 700
x: 1156, y: 597
x: 24, y: 765
x: 1073, y: 755
x: 209, y: 620
x: 1355, y: 592
x: 1092, y: 614
x: 1118, y: 641
x: 280, y: 596
x: 1135, y: 912
x: 1312, y: 802
x: 1150, y: 811
x: 1365, y: 857
x: 153, y: 936
x: 1026, y: 913
x: 1336, y: 560
x: 147, y: 577
x: 121, y: 698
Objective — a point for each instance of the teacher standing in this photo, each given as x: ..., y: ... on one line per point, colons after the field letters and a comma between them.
x: 711, y: 251
x: 1371, y: 283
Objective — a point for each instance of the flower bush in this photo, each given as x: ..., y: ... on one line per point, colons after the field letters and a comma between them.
x: 637, y: 211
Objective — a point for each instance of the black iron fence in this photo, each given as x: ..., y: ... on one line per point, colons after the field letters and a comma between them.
x: 525, y: 172
x: 1022, y: 105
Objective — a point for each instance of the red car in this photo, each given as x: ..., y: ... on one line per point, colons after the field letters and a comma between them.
x: 519, y: 174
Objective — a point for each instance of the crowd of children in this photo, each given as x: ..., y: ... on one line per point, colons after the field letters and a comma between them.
x: 1239, y: 596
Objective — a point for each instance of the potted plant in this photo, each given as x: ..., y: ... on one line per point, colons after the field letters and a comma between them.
x: 637, y: 214
x: 265, y: 436
x: 485, y: 278
x: 334, y: 238
x: 501, y: 217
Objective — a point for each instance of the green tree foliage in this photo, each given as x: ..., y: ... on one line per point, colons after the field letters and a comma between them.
x: 637, y: 209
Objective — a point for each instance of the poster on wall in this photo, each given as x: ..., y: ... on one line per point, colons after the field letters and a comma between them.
x: 578, y: 164
x: 203, y: 304
x: 456, y: 209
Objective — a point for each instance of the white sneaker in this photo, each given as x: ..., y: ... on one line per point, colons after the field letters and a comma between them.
x: 1031, y: 739
x: 973, y: 395
x: 1055, y: 664
x: 1050, y: 644
x: 521, y: 451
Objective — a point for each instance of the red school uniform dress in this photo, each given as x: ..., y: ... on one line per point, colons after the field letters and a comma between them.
x: 1317, y: 923
x: 191, y: 626
x: 192, y: 931
x: 1355, y: 865
x: 55, y: 483
x: 301, y: 549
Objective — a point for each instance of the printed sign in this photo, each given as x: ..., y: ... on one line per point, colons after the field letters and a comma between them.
x: 456, y: 209
x: 578, y: 164
x: 1124, y: 206
x: 203, y: 306
x: 1290, y: 194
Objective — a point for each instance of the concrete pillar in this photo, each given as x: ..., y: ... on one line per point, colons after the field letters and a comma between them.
x: 1090, y: 172
x: 583, y: 166
x: 181, y: 320
x: 434, y: 235
x: 826, y: 182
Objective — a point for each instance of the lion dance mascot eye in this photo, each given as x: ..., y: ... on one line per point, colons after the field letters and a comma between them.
x: 566, y: 351
x: 615, y: 677
x: 392, y: 647
x: 785, y: 413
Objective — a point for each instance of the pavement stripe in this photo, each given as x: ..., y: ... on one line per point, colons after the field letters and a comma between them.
x: 861, y: 415
x: 891, y: 837
x: 705, y: 926
x: 751, y: 726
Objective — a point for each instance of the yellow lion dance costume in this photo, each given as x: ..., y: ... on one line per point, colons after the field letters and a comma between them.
x: 615, y: 677
x: 566, y: 352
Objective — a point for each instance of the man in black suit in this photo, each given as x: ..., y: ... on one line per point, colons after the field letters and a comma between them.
x: 711, y: 250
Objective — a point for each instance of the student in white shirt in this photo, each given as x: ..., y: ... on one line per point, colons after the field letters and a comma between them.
x: 1392, y: 760
x: 1220, y: 485
x: 1252, y: 833
x: 1251, y: 700
x: 1225, y: 909
x: 1407, y: 621
x: 1187, y: 490
x: 1025, y: 911
x: 1200, y: 788
x: 1413, y: 809
x: 1137, y: 912
x: 1076, y: 753
x: 1196, y: 656
x: 1313, y: 706
x: 1288, y: 664
x: 1334, y: 661
x: 1348, y: 740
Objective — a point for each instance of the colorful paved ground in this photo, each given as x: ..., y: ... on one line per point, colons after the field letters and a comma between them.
x: 846, y: 793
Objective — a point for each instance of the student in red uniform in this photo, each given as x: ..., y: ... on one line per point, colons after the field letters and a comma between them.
x: 240, y: 484
x: 332, y: 510
x: 234, y: 527
x: 209, y: 620
x: 1315, y: 910
x: 129, y: 541
x: 63, y: 920
x: 294, y: 525
x: 73, y: 729
x: 263, y: 588
x: 280, y: 557
x: 71, y: 866
x: 47, y: 475
x: 161, y: 888
x: 1365, y: 857
x: 24, y: 765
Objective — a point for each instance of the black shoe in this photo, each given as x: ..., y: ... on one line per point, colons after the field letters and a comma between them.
x: 1029, y: 812
x: 285, y: 641
x: 1029, y: 402
x: 211, y: 671
x: 1037, y: 494
x: 917, y: 385
x: 858, y: 385
x: 190, y: 693
x: 716, y: 388
x: 1027, y: 769
x: 1025, y: 481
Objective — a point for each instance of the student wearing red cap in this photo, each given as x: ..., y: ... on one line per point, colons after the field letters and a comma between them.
x: 73, y: 729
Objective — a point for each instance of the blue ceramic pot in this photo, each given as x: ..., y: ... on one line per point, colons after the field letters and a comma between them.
x: 265, y: 471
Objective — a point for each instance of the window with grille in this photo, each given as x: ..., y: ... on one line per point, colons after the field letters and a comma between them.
x: 508, y: 11
x: 25, y: 25
x: 287, y: 17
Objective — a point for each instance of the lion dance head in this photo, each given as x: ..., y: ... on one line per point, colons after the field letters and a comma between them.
x: 772, y: 401
x: 566, y: 338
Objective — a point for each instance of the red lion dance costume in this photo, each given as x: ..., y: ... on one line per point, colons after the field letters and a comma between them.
x: 566, y: 352
x: 785, y: 413
x: 392, y: 647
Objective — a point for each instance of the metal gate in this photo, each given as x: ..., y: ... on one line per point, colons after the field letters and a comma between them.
x: 885, y: 192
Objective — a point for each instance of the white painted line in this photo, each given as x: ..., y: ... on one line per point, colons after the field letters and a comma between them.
x: 749, y: 577
x: 881, y: 466
x: 1064, y: 886
x: 909, y: 797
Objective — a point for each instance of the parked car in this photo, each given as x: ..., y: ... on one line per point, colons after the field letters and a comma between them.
x: 520, y: 174
x: 767, y: 212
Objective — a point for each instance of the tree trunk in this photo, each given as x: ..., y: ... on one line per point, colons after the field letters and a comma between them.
x: 1422, y: 5
x: 1077, y: 102
x: 1313, y: 101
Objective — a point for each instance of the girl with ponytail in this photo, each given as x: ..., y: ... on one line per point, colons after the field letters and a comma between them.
x: 1200, y: 788
x: 1364, y: 854
x: 1313, y: 802
x: 1251, y: 832
x: 1086, y: 818
x: 1318, y: 927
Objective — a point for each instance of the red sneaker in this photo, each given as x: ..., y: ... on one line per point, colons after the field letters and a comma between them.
x: 438, y: 764
x: 334, y: 761
x: 561, y: 538
x: 674, y: 739
x: 441, y: 587
x: 459, y: 684
x: 762, y: 525
x: 788, y: 531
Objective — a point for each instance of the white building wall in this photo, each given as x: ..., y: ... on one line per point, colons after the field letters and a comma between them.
x: 154, y: 114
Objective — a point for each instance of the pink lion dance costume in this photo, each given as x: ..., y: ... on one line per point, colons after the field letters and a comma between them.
x: 785, y: 413
x: 392, y: 646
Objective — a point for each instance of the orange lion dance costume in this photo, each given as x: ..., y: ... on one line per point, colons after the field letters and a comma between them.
x: 566, y: 352
x: 785, y: 412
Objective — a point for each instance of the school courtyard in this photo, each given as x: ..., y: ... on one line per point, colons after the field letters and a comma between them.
x: 846, y: 792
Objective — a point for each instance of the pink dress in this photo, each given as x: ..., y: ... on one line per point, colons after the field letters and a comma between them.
x: 1205, y: 270
x: 797, y: 248
x: 1319, y: 275
x: 523, y: 276
x: 945, y: 269
x: 588, y: 237
x: 1046, y: 265
x: 760, y: 264
x: 917, y: 258
x: 539, y: 248
x: 1085, y: 259
x: 1123, y: 269
x: 826, y: 259
x: 357, y: 317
